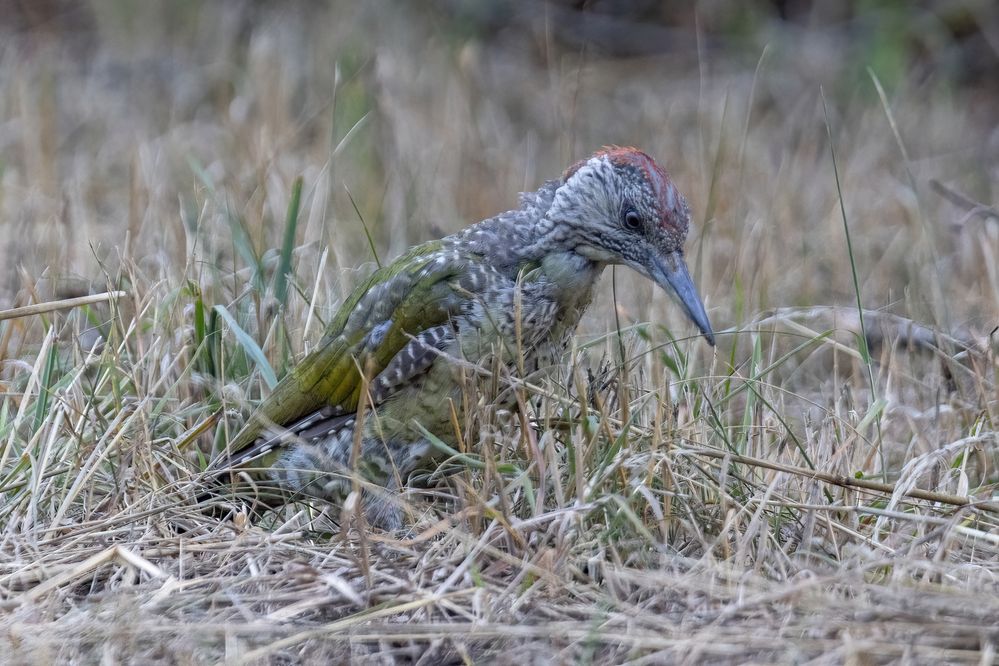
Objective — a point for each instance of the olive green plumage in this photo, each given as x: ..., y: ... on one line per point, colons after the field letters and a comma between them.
x: 330, y: 376
x: 505, y: 293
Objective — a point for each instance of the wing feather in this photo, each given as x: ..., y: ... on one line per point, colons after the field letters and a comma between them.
x: 381, y: 317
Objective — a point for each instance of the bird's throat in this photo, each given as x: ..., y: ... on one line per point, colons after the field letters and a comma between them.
x: 574, y: 277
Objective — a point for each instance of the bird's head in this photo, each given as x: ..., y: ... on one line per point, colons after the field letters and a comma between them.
x: 620, y: 207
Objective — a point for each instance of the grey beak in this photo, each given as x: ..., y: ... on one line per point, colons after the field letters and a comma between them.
x: 670, y: 273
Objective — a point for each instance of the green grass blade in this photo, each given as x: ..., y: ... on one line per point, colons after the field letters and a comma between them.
x: 44, y: 386
x: 250, y: 346
x: 367, y: 232
x: 288, y: 244
x: 865, y: 352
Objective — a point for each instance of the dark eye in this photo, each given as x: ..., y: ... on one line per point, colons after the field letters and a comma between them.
x: 632, y: 221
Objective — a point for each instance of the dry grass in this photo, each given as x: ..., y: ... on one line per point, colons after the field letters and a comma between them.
x: 790, y: 498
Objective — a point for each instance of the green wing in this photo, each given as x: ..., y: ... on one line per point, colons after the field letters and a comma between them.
x: 397, y: 302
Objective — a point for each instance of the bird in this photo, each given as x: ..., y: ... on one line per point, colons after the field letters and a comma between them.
x: 363, y: 408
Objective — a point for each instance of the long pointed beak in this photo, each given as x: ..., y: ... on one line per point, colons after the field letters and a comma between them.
x: 670, y: 273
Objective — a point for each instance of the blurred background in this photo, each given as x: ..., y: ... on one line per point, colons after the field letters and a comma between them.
x: 134, y: 132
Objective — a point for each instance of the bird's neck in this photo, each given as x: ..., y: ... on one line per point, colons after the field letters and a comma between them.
x: 526, y: 239
x: 515, y: 238
x: 573, y: 275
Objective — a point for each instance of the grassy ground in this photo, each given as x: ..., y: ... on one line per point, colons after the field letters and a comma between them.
x: 818, y: 489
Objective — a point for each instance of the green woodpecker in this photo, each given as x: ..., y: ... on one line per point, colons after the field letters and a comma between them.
x: 505, y: 293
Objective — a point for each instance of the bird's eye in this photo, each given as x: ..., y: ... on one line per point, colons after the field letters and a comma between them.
x: 632, y: 221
